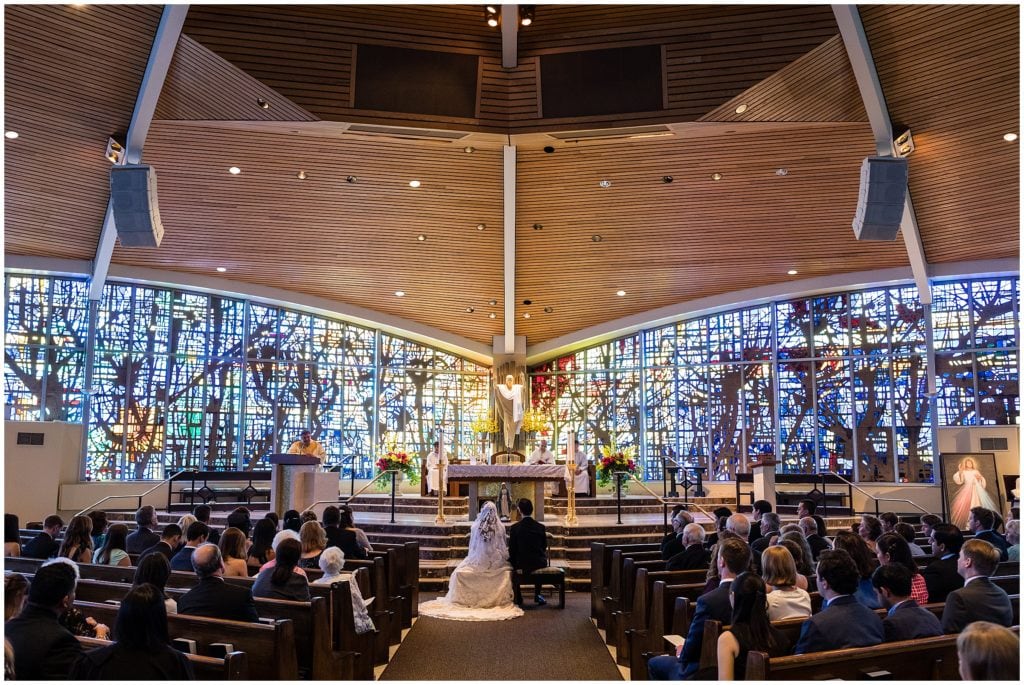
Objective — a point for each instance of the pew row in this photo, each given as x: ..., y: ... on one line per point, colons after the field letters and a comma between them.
x: 233, y: 666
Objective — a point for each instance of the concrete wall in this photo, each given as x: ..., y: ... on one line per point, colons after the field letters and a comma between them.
x: 968, y: 439
x: 33, y: 474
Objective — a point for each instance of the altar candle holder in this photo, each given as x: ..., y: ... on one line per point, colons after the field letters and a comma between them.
x: 570, y: 467
x: 442, y: 472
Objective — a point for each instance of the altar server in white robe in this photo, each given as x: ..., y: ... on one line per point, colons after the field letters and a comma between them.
x: 434, y: 460
x: 542, y: 455
x: 582, y: 480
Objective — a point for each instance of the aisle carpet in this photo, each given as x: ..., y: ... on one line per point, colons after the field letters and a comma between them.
x: 544, y: 644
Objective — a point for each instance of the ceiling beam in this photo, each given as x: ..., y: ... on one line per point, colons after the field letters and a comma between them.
x: 863, y: 64
x: 160, y: 56
x: 509, y: 160
x: 509, y: 36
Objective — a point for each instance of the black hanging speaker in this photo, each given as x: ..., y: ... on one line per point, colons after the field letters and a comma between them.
x: 133, y: 198
x: 883, y: 192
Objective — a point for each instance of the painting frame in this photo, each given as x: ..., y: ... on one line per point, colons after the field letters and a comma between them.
x: 978, y: 478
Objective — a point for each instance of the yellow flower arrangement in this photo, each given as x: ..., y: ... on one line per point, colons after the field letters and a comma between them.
x: 484, y: 424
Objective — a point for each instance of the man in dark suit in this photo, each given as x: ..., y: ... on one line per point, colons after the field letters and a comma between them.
x: 332, y: 526
x: 672, y: 544
x: 45, y: 545
x: 527, y: 548
x: 143, y: 537
x: 843, y: 621
x: 733, y: 559
x: 43, y: 648
x: 807, y: 507
x: 761, y: 507
x: 212, y: 597
x: 817, y: 543
x: 202, y: 513
x: 981, y: 522
x: 905, y: 620
x: 941, y: 575
x: 196, y: 535
x: 169, y: 541
x: 722, y: 515
x: 693, y: 555
x: 979, y: 599
x: 770, y: 525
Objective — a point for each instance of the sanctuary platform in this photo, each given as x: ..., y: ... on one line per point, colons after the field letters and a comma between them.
x: 443, y: 546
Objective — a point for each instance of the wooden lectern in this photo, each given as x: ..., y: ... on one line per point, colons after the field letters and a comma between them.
x: 296, y: 482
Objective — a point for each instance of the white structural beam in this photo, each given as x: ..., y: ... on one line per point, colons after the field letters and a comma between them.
x: 509, y: 36
x: 509, y: 160
x: 859, y: 52
x: 160, y: 56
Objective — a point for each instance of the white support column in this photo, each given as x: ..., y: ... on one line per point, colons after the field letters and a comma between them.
x: 510, y: 247
x: 509, y: 36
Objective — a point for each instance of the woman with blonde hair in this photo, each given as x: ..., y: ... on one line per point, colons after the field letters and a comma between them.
x: 314, y: 540
x: 785, y: 599
x: 988, y: 652
x: 77, y: 544
x: 232, y: 550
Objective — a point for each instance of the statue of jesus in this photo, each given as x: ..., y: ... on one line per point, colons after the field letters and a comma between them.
x: 509, y: 397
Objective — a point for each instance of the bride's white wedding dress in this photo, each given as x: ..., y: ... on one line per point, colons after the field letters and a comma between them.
x: 480, y: 588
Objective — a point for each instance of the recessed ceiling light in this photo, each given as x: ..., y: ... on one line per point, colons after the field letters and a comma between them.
x: 11, y: 134
x: 782, y: 172
x: 741, y: 109
x: 262, y: 103
x: 351, y: 179
x: 1010, y: 137
x: 493, y: 302
x: 414, y: 184
x: 527, y: 302
x: 301, y: 175
x: 234, y: 170
x: 469, y: 310
x: 716, y: 176
x: 548, y: 310
x: 596, y: 238
x: 605, y: 184
x: 526, y: 315
x: 221, y: 269
x: 621, y: 293
x: 399, y: 293
x: 469, y: 149
x: 667, y: 179
x: 538, y: 227
x: 792, y: 272
x: 481, y: 227
x: 421, y: 237
x: 492, y: 315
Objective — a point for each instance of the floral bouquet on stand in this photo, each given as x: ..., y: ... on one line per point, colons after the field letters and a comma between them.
x: 616, y: 460
x: 395, y: 459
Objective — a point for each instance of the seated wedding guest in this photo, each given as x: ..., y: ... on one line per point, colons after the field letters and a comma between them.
x: 195, y: 536
x: 292, y: 520
x: 733, y: 559
x: 799, y: 563
x: 99, y: 527
x: 314, y: 540
x: 672, y: 543
x: 807, y: 507
x: 45, y: 545
x: 349, y: 537
x: 185, y: 521
x: 870, y: 530
x: 232, y: 549
x: 241, y: 518
x: 332, y: 561
x: 941, y: 576
x: 43, y: 648
x: 889, y: 520
x: 713, y: 580
x: 273, y: 517
x: 749, y: 629
x: 905, y: 620
x: 805, y: 560
x: 170, y: 539
x: 1013, y: 537
x: 722, y: 515
x: 72, y: 618
x: 864, y: 563
x: 988, y: 651
x: 979, y: 599
x: 281, y: 581
x: 331, y: 520
x: 260, y: 552
x: 785, y: 599
x: 15, y: 592
x: 817, y: 543
x: 77, y: 543
x: 12, y: 536
x: 212, y: 597
x: 306, y: 517
x: 142, y: 648
x: 693, y: 555
x: 156, y: 570
x: 113, y: 552
x: 283, y: 535
x: 770, y: 525
x: 907, y: 532
x: 893, y: 549
x: 760, y: 508
x: 982, y: 522
x: 349, y: 523
x: 143, y: 537
x: 928, y: 523
x: 843, y: 621
x: 202, y: 513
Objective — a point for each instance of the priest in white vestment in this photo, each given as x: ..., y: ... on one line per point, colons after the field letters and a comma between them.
x: 581, y: 482
x: 434, y: 461
x: 542, y: 455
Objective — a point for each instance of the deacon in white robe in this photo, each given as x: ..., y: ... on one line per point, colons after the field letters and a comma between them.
x: 542, y: 455
x: 434, y: 461
x: 582, y: 480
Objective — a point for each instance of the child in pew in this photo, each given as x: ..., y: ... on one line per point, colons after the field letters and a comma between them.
x: 332, y: 560
x: 988, y: 652
x: 142, y: 650
x: 750, y: 629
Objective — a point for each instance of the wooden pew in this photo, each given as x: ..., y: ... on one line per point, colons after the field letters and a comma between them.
x: 233, y: 666
x: 623, y: 582
x: 637, y: 615
x: 402, y: 570
x: 269, y: 648
x: 601, y: 580
x: 679, y: 624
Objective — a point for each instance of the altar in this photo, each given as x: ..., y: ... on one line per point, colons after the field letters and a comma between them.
x: 538, y: 474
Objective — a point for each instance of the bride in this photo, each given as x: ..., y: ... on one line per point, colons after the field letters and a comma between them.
x: 480, y: 588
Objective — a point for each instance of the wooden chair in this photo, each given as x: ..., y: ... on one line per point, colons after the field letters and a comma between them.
x: 552, y: 575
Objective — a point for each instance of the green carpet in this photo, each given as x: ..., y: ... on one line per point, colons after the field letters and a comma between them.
x: 544, y: 644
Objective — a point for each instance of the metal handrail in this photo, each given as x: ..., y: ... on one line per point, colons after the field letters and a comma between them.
x: 877, y: 499
x: 351, y: 497
x: 110, y: 497
x: 669, y: 500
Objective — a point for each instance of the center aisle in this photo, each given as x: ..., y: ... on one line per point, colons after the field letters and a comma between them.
x: 544, y: 644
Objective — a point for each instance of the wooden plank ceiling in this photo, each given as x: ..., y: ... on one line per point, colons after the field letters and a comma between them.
x: 953, y: 80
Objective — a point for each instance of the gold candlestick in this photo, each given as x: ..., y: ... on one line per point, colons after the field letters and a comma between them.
x: 570, y: 467
x: 442, y: 470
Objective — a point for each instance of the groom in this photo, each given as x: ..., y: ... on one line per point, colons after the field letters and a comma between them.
x: 527, y: 547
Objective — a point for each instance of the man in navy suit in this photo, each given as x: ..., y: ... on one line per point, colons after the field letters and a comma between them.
x: 843, y: 621
x: 196, y: 535
x: 981, y: 522
x: 169, y: 541
x: 143, y: 537
x: 693, y: 555
x: 733, y: 559
x: 212, y: 597
x: 905, y: 620
x: 941, y: 575
x: 527, y: 549
x: 45, y: 545
x: 979, y: 599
